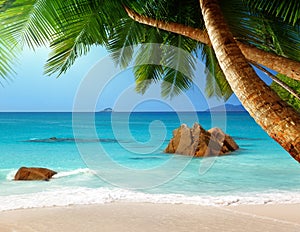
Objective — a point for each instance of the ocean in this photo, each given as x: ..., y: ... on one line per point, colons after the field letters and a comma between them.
x: 106, y: 157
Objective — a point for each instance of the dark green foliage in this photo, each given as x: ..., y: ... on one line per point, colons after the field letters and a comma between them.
x: 285, y: 95
x: 262, y: 29
x: 288, y: 11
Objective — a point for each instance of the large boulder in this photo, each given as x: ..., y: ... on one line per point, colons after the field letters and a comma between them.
x: 198, y: 142
x: 25, y: 173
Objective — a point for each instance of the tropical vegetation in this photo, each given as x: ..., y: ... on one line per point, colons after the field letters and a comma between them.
x: 229, y: 35
x: 286, y: 95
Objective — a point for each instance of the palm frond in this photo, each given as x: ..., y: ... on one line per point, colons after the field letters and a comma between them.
x: 148, y: 68
x: 27, y: 22
x: 216, y: 83
x: 242, y: 24
x: 21, y: 22
x: 145, y: 75
x: 124, y: 35
x: 174, y: 68
x: 81, y: 25
x: 71, y: 27
x: 288, y: 38
x: 287, y: 10
x: 174, y: 83
x: 5, y: 4
x: 261, y: 30
x: 8, y: 56
x: 184, y: 12
x: 179, y: 66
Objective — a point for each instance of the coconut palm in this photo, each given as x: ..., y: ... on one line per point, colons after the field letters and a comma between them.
x: 265, y: 33
x: 279, y: 120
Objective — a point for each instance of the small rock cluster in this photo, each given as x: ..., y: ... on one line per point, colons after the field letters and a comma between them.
x: 198, y: 142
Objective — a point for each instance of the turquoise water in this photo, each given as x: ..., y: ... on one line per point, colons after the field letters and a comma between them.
x: 119, y: 157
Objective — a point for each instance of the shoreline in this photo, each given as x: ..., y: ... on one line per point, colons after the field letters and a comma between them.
x: 128, y: 216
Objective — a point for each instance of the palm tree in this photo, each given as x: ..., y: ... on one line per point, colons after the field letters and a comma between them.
x: 278, y: 119
x: 270, y: 60
x: 73, y: 27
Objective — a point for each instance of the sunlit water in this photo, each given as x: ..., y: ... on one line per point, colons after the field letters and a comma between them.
x: 110, y: 165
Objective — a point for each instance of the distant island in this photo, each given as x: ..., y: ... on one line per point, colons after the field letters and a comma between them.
x: 220, y: 108
x: 107, y: 110
x: 227, y: 107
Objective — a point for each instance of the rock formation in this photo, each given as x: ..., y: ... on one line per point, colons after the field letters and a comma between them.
x: 198, y: 142
x: 34, y: 174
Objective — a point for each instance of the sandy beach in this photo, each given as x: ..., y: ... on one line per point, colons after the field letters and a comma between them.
x: 153, y: 217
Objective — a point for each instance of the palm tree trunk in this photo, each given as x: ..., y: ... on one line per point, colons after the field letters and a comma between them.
x: 193, y: 33
x: 279, y: 120
x: 283, y: 65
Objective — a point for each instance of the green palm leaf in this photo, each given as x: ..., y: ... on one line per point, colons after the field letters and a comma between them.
x: 125, y: 34
x: 287, y: 10
x: 81, y: 25
x: 7, y: 60
x: 128, y: 32
x: 288, y: 38
x: 145, y: 75
x: 21, y: 23
x: 216, y: 83
x: 179, y: 66
x: 261, y: 29
x: 27, y: 22
x: 148, y: 68
x: 284, y: 94
x: 71, y: 27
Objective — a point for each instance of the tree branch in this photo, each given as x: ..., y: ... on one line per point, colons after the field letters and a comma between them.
x: 193, y: 33
x: 277, y: 80
x: 270, y: 60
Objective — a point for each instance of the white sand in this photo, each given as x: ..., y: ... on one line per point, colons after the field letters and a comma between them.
x: 137, y: 217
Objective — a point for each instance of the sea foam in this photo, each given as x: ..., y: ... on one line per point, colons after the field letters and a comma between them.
x: 65, y: 196
x: 11, y: 174
x: 60, y: 174
x: 87, y: 196
x: 78, y: 171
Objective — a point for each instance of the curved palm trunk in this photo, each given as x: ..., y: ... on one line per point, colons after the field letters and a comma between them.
x: 279, y: 120
x: 270, y: 60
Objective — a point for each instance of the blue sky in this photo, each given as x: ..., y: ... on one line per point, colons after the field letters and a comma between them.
x: 30, y: 90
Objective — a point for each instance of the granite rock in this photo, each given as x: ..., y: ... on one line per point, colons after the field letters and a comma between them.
x: 198, y: 142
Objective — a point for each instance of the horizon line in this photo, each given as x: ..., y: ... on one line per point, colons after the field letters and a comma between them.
x: 144, y: 111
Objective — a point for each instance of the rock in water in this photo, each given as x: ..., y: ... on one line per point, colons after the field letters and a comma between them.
x: 25, y: 173
x: 228, y: 142
x: 198, y: 142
